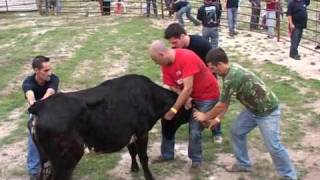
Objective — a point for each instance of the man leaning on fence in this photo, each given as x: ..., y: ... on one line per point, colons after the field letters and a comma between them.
x: 40, y: 85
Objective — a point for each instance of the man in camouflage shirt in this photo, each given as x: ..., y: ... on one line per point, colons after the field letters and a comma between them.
x: 261, y: 109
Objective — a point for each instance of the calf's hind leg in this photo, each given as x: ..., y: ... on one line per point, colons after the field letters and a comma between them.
x: 133, y: 153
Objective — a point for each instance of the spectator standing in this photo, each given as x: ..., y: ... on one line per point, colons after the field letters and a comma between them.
x: 209, y: 14
x: 297, y: 19
x: 106, y: 7
x: 255, y: 14
x: 318, y: 29
x: 232, y: 13
x: 154, y: 6
x: 271, y: 10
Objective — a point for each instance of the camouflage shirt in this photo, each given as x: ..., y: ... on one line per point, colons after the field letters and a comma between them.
x: 249, y: 89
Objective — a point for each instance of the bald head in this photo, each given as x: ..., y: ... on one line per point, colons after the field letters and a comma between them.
x: 159, y: 52
x: 157, y: 47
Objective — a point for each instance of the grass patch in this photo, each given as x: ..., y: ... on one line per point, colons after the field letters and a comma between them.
x: 18, y: 133
x: 95, y: 167
x: 9, y: 103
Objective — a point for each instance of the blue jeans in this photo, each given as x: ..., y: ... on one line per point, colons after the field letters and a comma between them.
x: 232, y: 19
x: 271, y: 22
x: 154, y: 6
x: 212, y: 35
x: 33, y: 159
x: 195, y: 136
x: 270, y: 129
x: 186, y: 10
x: 216, y: 131
x: 295, y: 41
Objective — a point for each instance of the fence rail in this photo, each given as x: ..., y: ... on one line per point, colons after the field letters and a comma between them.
x: 139, y: 8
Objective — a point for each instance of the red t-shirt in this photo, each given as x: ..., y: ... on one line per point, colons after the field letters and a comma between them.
x: 271, y: 5
x: 187, y: 63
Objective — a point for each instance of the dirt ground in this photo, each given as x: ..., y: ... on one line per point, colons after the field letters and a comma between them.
x: 255, y: 45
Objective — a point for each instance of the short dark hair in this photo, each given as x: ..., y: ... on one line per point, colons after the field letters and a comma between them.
x: 215, y: 56
x: 38, y: 60
x: 174, y: 30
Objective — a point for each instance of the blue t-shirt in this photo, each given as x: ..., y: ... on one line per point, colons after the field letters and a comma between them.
x: 232, y: 3
x: 297, y: 9
x: 30, y: 83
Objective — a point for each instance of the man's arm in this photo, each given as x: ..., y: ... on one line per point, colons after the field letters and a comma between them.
x: 217, y: 111
x: 30, y: 97
x: 53, y: 87
x: 175, y: 89
x: 49, y: 92
x: 182, y: 98
x: 185, y: 93
x: 289, y: 14
x: 199, y: 14
x: 291, y: 25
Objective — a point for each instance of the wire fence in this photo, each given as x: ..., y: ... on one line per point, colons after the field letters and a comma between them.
x: 249, y: 15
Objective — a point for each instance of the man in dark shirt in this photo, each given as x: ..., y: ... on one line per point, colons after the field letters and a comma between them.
x: 38, y: 86
x: 209, y: 14
x: 178, y: 38
x: 297, y: 19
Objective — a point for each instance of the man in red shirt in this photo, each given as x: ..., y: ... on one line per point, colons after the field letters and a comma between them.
x: 186, y: 74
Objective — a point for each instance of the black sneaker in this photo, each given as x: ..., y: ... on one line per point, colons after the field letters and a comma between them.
x: 317, y: 47
x: 195, y: 168
x: 296, y: 57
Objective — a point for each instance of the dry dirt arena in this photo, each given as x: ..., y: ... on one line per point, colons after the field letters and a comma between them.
x: 256, y: 47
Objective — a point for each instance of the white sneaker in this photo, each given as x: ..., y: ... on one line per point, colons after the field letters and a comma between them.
x: 218, y: 139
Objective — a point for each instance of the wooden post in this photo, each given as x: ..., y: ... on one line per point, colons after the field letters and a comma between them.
x: 39, y: 4
x: 162, y: 12
x: 7, y: 6
x: 101, y: 7
x: 278, y: 14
